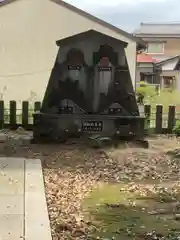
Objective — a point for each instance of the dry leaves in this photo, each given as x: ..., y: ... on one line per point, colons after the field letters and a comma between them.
x: 65, y: 192
x: 71, y: 171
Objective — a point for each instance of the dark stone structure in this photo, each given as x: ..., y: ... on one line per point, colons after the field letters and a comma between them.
x: 89, y: 91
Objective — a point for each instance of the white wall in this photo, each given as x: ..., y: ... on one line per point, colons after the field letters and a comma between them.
x: 28, y: 31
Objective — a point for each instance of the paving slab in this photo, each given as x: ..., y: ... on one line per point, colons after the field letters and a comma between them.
x: 11, y: 226
x: 11, y: 176
x: 23, y: 208
x: 11, y: 204
x: 37, y: 224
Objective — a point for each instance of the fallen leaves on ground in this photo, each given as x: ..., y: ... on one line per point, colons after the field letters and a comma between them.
x: 65, y: 192
x: 72, y: 171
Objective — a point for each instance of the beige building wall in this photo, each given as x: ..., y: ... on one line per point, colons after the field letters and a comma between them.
x: 171, y: 45
x: 28, y: 31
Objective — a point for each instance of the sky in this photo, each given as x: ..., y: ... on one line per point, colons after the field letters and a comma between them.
x: 128, y: 14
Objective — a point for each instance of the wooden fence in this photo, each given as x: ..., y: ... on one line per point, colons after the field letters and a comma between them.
x: 13, y: 117
x: 156, y: 120
x: 159, y: 122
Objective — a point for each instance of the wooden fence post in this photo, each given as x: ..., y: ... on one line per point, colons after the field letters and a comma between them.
x: 37, y: 106
x: 159, y: 112
x: 25, y: 114
x: 12, y: 114
x: 171, y: 118
x: 1, y: 114
x: 147, y: 113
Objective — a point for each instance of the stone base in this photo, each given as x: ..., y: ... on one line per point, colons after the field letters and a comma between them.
x: 58, y: 128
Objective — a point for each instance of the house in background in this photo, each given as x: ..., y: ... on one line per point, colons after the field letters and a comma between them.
x: 163, y: 40
x: 170, y: 73
x: 163, y: 45
x: 29, y: 30
x: 147, y: 70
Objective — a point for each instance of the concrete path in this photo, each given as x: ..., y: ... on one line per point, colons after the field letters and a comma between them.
x: 23, y: 209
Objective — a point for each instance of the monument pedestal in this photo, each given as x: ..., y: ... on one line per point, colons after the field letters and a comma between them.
x: 59, y: 127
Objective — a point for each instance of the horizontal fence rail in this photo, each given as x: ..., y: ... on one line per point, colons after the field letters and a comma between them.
x: 156, y: 120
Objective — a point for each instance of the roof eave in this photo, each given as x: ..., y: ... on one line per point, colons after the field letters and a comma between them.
x: 166, y: 60
x: 86, y: 35
x: 146, y: 35
x: 5, y: 2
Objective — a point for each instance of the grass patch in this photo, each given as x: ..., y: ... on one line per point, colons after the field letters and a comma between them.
x: 117, y: 212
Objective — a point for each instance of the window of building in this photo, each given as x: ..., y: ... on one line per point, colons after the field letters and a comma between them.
x: 168, y: 82
x: 155, y: 47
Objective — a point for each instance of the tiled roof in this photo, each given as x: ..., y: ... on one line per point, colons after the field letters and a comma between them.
x: 158, y: 29
x: 169, y: 59
x: 145, y: 58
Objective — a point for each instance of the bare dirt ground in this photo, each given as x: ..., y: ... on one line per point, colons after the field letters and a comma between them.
x: 72, y: 171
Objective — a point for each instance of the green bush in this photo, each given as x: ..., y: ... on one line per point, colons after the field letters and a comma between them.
x: 176, y: 129
x: 145, y: 92
x: 167, y: 97
x: 148, y: 95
